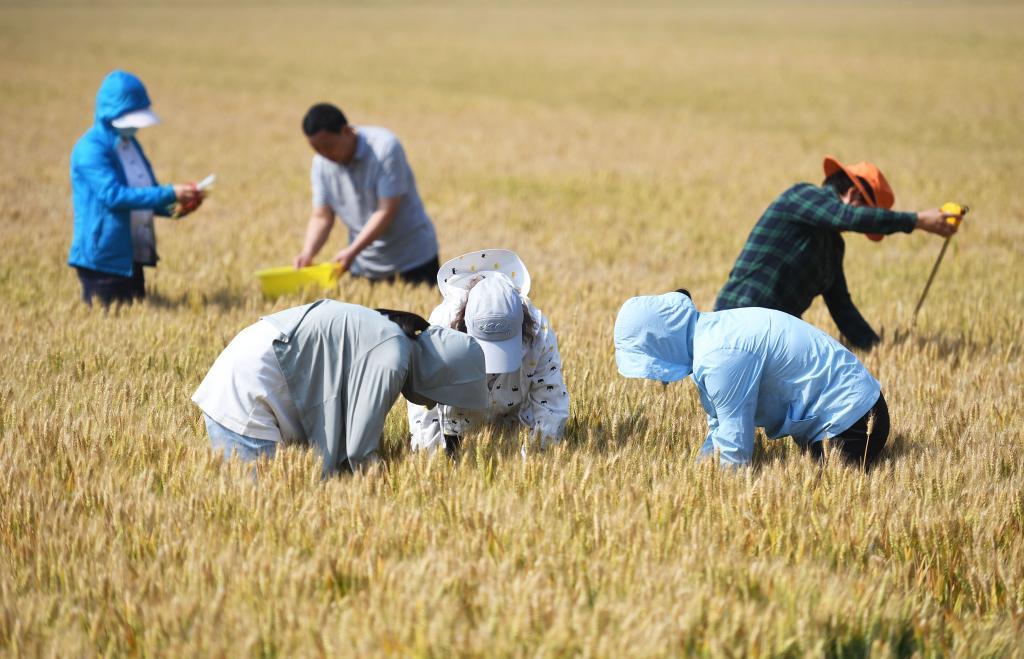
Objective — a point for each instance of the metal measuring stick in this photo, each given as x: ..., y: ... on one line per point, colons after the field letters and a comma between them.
x: 946, y: 208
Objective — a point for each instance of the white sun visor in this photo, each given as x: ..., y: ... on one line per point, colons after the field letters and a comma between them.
x: 137, y: 119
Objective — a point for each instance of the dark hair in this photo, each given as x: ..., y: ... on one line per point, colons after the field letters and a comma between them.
x: 840, y: 183
x: 685, y: 292
x: 411, y: 324
x: 529, y: 326
x: 323, y: 116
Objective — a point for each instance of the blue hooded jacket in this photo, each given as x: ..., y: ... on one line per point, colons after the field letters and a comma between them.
x: 102, y: 199
x: 753, y: 368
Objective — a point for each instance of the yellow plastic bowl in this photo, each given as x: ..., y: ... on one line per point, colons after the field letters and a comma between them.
x: 286, y: 279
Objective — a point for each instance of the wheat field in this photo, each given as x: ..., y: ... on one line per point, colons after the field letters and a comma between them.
x: 620, y: 150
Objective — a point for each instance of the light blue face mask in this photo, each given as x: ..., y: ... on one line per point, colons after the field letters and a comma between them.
x: 126, y: 133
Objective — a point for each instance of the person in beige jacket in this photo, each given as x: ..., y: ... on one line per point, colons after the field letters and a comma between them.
x: 326, y: 374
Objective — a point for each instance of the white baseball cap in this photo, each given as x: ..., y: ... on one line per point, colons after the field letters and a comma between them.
x: 137, y: 119
x: 494, y: 317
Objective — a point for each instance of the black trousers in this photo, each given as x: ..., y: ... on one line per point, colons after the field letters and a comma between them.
x: 856, y: 444
x: 421, y: 274
x: 108, y: 288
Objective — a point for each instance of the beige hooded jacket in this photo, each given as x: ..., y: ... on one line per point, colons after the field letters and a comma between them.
x: 346, y: 365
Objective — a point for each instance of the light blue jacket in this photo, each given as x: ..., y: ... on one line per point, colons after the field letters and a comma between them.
x: 753, y: 368
x: 103, y: 202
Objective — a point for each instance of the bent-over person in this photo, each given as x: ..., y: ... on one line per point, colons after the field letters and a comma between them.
x: 755, y: 368
x: 325, y: 374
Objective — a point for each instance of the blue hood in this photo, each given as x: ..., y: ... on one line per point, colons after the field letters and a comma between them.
x: 120, y: 92
x: 654, y: 337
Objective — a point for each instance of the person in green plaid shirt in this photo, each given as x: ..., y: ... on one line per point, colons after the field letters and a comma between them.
x: 795, y: 251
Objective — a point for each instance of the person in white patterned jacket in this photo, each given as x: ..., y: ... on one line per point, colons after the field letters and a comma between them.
x: 485, y: 295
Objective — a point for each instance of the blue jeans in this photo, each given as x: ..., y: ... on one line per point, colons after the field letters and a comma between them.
x: 226, y: 441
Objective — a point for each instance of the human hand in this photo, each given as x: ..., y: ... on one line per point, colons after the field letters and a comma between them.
x: 302, y: 260
x: 189, y: 207
x: 187, y: 193
x: 937, y: 222
x: 344, y: 259
x: 189, y: 198
x: 186, y: 209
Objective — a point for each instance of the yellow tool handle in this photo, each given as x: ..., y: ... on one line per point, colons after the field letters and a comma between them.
x: 954, y: 209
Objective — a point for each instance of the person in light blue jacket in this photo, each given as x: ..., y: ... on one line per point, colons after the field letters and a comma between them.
x: 753, y: 368
x: 116, y: 195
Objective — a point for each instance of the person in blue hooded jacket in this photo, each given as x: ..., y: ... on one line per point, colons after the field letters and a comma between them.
x: 115, y: 195
x: 755, y: 367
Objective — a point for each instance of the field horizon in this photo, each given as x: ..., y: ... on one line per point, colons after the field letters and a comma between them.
x: 619, y: 150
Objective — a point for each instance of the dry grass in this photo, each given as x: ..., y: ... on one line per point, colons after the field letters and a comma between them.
x: 619, y: 151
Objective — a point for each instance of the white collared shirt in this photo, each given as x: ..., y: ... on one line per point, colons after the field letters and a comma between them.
x: 245, y: 390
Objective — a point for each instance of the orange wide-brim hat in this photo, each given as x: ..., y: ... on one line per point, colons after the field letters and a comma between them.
x: 879, y: 195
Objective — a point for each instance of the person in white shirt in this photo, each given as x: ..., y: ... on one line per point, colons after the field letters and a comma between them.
x: 486, y: 295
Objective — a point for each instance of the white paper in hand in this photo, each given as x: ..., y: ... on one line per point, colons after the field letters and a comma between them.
x: 206, y: 182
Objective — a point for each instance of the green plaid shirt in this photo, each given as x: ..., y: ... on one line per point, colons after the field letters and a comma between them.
x: 795, y: 253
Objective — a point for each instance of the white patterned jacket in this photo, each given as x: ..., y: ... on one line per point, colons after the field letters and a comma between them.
x: 534, y: 396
